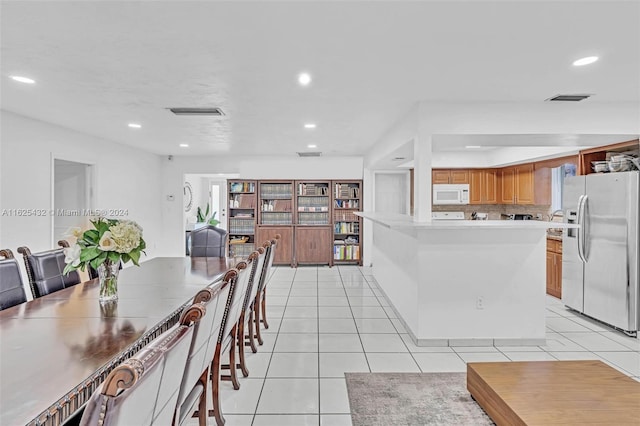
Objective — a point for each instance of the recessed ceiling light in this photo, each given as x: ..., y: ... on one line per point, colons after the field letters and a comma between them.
x: 312, y: 146
x: 135, y: 125
x: 304, y: 79
x: 585, y: 61
x: 310, y: 126
x: 184, y: 145
x: 22, y: 79
x: 473, y: 146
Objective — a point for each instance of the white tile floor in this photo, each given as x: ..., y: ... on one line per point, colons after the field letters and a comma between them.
x: 328, y: 321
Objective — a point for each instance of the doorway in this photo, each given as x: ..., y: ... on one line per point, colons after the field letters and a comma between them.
x: 72, y: 197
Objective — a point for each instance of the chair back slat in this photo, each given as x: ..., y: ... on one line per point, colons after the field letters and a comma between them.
x: 257, y: 264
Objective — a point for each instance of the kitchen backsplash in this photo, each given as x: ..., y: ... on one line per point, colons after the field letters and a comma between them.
x: 495, y: 210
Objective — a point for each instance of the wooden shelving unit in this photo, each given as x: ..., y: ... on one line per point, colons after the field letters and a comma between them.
x: 347, y: 227
x: 242, y: 217
x: 313, y: 222
x: 275, y: 216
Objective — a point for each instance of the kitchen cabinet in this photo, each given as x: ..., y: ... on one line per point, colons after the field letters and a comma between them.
x: 449, y: 176
x: 517, y: 184
x: 554, y: 267
x: 313, y: 244
x: 483, y: 186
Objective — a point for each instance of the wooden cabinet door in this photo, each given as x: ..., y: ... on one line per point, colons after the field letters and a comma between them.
x: 524, y: 184
x: 551, y: 285
x: 459, y: 176
x: 475, y: 186
x: 542, y: 186
x: 490, y: 186
x: 507, y: 194
x: 284, y: 250
x: 440, y: 176
x: 558, y: 271
x: 313, y: 245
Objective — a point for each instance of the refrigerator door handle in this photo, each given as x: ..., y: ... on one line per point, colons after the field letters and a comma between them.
x: 581, y: 232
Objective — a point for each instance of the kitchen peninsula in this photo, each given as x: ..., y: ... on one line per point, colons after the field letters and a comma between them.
x: 463, y: 283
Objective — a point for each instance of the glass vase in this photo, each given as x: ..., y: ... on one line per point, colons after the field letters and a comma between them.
x: 108, y: 278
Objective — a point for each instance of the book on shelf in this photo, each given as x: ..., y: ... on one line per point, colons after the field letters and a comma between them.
x: 242, y: 187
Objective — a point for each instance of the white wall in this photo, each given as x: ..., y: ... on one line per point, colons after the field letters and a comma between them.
x: 125, y: 178
x: 246, y: 168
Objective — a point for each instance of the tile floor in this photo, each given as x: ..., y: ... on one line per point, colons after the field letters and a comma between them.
x: 327, y: 321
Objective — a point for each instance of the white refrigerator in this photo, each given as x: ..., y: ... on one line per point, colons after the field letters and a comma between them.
x: 600, y: 259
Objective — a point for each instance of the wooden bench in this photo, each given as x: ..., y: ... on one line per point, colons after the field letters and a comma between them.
x: 554, y: 392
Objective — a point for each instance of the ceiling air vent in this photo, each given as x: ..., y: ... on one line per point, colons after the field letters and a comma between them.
x: 569, y: 98
x: 309, y: 154
x: 197, y: 111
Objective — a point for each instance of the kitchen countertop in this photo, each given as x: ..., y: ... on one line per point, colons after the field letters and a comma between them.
x: 399, y: 221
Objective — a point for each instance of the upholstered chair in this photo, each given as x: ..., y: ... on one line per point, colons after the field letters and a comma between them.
x: 11, y: 288
x: 260, y: 309
x: 45, y: 270
x: 193, y: 388
x: 245, y: 321
x: 208, y: 241
x: 143, y: 390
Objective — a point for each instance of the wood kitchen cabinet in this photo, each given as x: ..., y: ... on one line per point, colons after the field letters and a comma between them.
x: 554, y: 268
x: 313, y: 244
x: 517, y: 184
x: 449, y: 176
x: 483, y: 186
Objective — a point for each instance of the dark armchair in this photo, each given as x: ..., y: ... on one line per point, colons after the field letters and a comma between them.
x: 208, y: 241
x: 11, y: 288
x: 45, y: 270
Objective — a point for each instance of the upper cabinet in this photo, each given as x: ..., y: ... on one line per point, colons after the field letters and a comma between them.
x: 587, y: 156
x: 446, y: 176
x: 517, y: 185
x: 483, y: 186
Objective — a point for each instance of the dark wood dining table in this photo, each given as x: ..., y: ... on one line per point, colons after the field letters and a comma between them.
x: 56, y: 350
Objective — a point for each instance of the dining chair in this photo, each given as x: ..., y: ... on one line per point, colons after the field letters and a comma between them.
x: 11, y: 288
x: 227, y: 337
x: 208, y: 241
x: 144, y: 389
x: 245, y: 320
x: 261, y: 298
x: 193, y: 388
x: 45, y: 270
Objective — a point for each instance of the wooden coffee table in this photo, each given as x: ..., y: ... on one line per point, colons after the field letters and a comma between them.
x: 554, y: 392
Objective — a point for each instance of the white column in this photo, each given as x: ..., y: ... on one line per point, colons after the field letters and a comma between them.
x: 422, y: 155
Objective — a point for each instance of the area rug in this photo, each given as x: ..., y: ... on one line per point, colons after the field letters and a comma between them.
x: 412, y: 399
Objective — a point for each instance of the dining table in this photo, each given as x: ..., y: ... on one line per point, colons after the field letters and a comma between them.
x: 56, y: 350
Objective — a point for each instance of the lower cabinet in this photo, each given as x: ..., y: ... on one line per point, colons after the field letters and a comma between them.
x: 313, y: 244
x: 554, y: 268
x: 284, y: 251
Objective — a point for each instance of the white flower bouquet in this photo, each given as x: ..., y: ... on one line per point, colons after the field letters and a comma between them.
x: 103, y: 248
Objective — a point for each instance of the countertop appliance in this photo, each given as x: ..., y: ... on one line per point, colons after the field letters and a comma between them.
x: 447, y: 216
x: 600, y: 259
x: 450, y: 194
x: 517, y: 216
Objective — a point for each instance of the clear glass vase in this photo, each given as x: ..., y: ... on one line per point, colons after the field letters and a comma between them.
x: 108, y: 278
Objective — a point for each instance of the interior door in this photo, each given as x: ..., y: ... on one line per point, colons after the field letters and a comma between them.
x: 71, y: 197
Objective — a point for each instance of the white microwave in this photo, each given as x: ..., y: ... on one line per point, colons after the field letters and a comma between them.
x: 451, y: 194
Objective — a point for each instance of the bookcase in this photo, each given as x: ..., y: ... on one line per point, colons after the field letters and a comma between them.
x: 275, y: 216
x: 242, y: 217
x: 347, y: 227
x: 315, y: 220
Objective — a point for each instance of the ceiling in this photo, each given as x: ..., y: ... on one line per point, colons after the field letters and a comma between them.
x: 102, y: 65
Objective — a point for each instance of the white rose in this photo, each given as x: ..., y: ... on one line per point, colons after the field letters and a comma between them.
x: 74, y: 231
x: 72, y: 255
x: 106, y: 242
